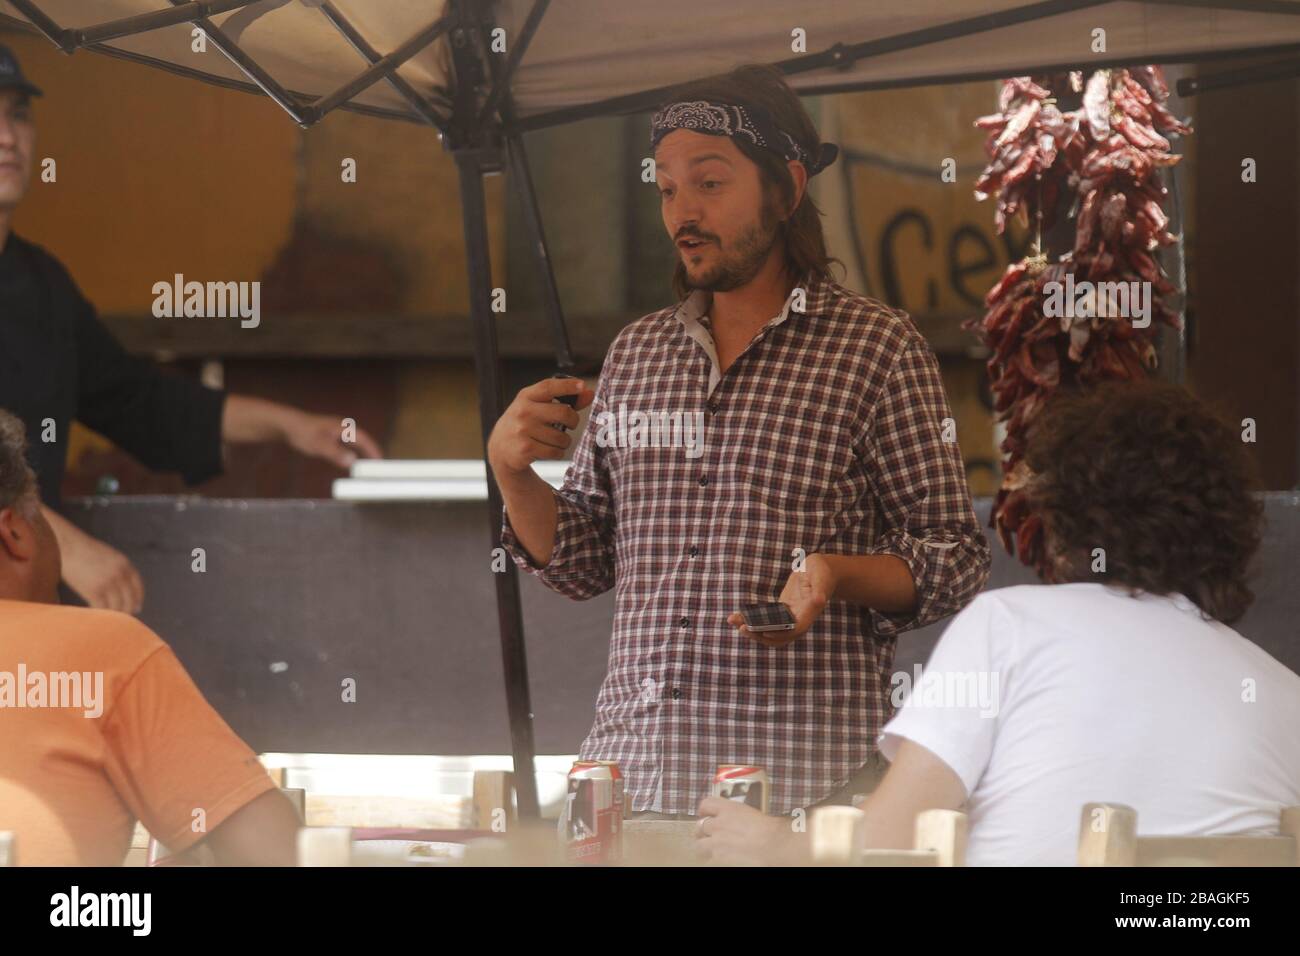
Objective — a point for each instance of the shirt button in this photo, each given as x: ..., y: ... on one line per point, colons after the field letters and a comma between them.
x: 693, y: 551
x: 712, y: 408
x: 685, y: 622
x: 704, y: 480
x: 677, y: 693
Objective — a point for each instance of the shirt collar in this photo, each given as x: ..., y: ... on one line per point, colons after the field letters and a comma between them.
x: 696, y: 305
x: 693, y: 309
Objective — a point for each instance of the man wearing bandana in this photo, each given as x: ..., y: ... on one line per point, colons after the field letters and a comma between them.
x: 822, y: 480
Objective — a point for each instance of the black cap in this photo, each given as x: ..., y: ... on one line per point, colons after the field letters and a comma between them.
x: 11, y: 74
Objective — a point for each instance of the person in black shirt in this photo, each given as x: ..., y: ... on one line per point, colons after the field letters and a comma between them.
x: 59, y: 363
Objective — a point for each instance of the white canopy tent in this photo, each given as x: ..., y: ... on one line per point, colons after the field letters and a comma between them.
x: 585, y: 52
x: 448, y: 63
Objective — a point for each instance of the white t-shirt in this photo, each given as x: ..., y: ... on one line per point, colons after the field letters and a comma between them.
x: 1045, y: 697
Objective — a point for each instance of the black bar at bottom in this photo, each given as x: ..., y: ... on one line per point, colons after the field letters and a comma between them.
x: 470, y: 163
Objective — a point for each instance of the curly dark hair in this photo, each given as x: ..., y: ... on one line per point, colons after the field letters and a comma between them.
x: 1147, y: 472
x: 17, y: 483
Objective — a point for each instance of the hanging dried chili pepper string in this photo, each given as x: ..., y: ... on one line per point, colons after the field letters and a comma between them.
x: 1108, y: 154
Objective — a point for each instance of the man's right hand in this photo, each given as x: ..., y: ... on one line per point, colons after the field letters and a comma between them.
x: 102, y: 575
x: 525, y: 433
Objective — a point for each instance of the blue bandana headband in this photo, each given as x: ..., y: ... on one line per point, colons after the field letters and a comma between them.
x: 729, y: 119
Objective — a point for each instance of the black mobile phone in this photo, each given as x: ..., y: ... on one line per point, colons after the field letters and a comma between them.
x: 762, y: 618
x: 570, y: 400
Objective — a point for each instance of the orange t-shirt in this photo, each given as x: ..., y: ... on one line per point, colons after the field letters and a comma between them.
x: 83, y: 757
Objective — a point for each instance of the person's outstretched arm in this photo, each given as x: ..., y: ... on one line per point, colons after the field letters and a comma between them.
x: 246, y: 419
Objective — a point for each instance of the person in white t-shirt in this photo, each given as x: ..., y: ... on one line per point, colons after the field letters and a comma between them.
x: 1119, y: 680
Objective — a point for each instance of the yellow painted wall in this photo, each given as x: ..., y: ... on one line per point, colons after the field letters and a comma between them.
x: 156, y: 175
x: 902, y: 138
x: 406, y: 199
x: 159, y: 174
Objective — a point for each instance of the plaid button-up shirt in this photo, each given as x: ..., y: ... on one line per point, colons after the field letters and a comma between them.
x: 824, y: 435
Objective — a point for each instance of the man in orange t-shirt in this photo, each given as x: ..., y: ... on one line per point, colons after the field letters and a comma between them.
x: 101, y: 726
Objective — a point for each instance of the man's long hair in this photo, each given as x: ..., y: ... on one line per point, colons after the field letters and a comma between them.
x: 765, y: 86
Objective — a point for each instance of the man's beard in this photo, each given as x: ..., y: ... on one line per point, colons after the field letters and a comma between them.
x: 739, y: 268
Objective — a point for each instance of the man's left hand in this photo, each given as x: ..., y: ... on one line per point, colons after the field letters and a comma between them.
x: 806, y: 594
x: 737, y: 835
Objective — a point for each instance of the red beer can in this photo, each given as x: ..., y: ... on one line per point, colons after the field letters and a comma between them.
x: 593, y: 819
x: 620, y: 790
x: 747, y: 785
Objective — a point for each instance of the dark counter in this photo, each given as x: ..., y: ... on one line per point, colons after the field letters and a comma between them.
x: 300, y: 595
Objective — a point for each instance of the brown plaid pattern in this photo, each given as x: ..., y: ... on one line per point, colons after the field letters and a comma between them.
x: 825, y: 435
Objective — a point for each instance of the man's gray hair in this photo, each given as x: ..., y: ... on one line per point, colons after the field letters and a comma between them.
x: 17, y: 482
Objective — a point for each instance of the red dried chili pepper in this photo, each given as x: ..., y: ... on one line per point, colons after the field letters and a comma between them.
x: 1108, y: 154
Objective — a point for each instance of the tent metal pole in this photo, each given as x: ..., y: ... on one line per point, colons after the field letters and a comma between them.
x: 837, y: 56
x: 362, y: 46
x: 265, y: 82
x: 471, y: 163
x: 1038, y: 69
x: 501, y: 80
x: 7, y: 21
x: 843, y: 56
x: 650, y: 99
x: 181, y: 11
x: 521, y: 178
x: 92, y: 38
x: 60, y: 37
x: 477, y: 150
x: 144, y: 22
x: 1284, y: 7
x: 380, y: 69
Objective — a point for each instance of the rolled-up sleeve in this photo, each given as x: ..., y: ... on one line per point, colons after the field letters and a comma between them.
x: 920, y: 484
x: 581, y: 563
